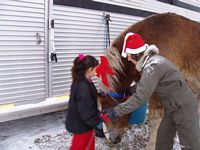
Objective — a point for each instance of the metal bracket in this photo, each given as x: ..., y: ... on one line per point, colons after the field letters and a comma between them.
x: 52, y: 23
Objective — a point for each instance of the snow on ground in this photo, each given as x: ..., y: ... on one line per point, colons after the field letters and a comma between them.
x: 47, y: 132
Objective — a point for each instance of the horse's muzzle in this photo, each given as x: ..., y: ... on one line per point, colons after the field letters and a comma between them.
x: 115, y: 140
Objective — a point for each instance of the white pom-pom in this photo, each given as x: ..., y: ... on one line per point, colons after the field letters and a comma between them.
x: 152, y: 49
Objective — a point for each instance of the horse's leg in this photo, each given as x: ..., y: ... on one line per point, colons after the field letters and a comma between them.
x: 195, y: 86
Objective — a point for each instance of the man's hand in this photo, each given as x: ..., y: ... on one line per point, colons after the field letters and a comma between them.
x: 105, y: 118
x: 110, y: 113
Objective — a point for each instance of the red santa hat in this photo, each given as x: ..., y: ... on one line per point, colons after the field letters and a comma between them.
x: 133, y: 44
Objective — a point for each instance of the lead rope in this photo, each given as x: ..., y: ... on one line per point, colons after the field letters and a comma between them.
x: 107, y: 19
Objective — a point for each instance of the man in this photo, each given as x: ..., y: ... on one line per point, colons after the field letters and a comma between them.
x: 161, y: 77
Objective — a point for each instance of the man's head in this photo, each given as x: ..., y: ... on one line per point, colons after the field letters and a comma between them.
x: 134, y: 58
x: 134, y: 47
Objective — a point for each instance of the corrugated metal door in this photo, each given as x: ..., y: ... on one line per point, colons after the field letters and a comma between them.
x: 79, y: 30
x: 22, y: 51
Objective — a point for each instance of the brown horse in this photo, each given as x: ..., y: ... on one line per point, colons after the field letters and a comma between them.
x: 178, y: 39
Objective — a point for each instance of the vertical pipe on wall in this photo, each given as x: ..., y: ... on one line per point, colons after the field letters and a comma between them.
x: 46, y: 48
x: 50, y: 66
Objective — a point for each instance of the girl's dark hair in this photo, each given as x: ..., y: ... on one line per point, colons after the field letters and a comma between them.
x: 82, y: 65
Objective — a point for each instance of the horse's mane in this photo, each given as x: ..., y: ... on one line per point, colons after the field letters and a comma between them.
x: 156, y: 29
x: 115, y: 62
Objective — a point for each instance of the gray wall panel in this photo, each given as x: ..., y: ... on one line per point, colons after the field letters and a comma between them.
x: 22, y: 60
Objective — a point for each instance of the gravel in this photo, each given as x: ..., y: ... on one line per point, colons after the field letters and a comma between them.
x: 47, y: 132
x: 134, y: 138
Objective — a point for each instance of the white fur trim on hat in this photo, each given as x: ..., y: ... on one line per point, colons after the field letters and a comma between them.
x: 152, y: 48
x: 138, y: 50
x: 124, y: 45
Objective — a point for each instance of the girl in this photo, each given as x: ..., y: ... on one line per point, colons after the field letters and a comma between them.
x: 83, y: 114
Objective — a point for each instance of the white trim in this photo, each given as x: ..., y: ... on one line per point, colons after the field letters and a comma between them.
x: 28, y: 110
x: 138, y: 50
x: 124, y: 45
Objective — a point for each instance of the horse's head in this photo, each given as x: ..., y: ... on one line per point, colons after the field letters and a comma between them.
x: 116, y: 92
x: 115, y: 129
